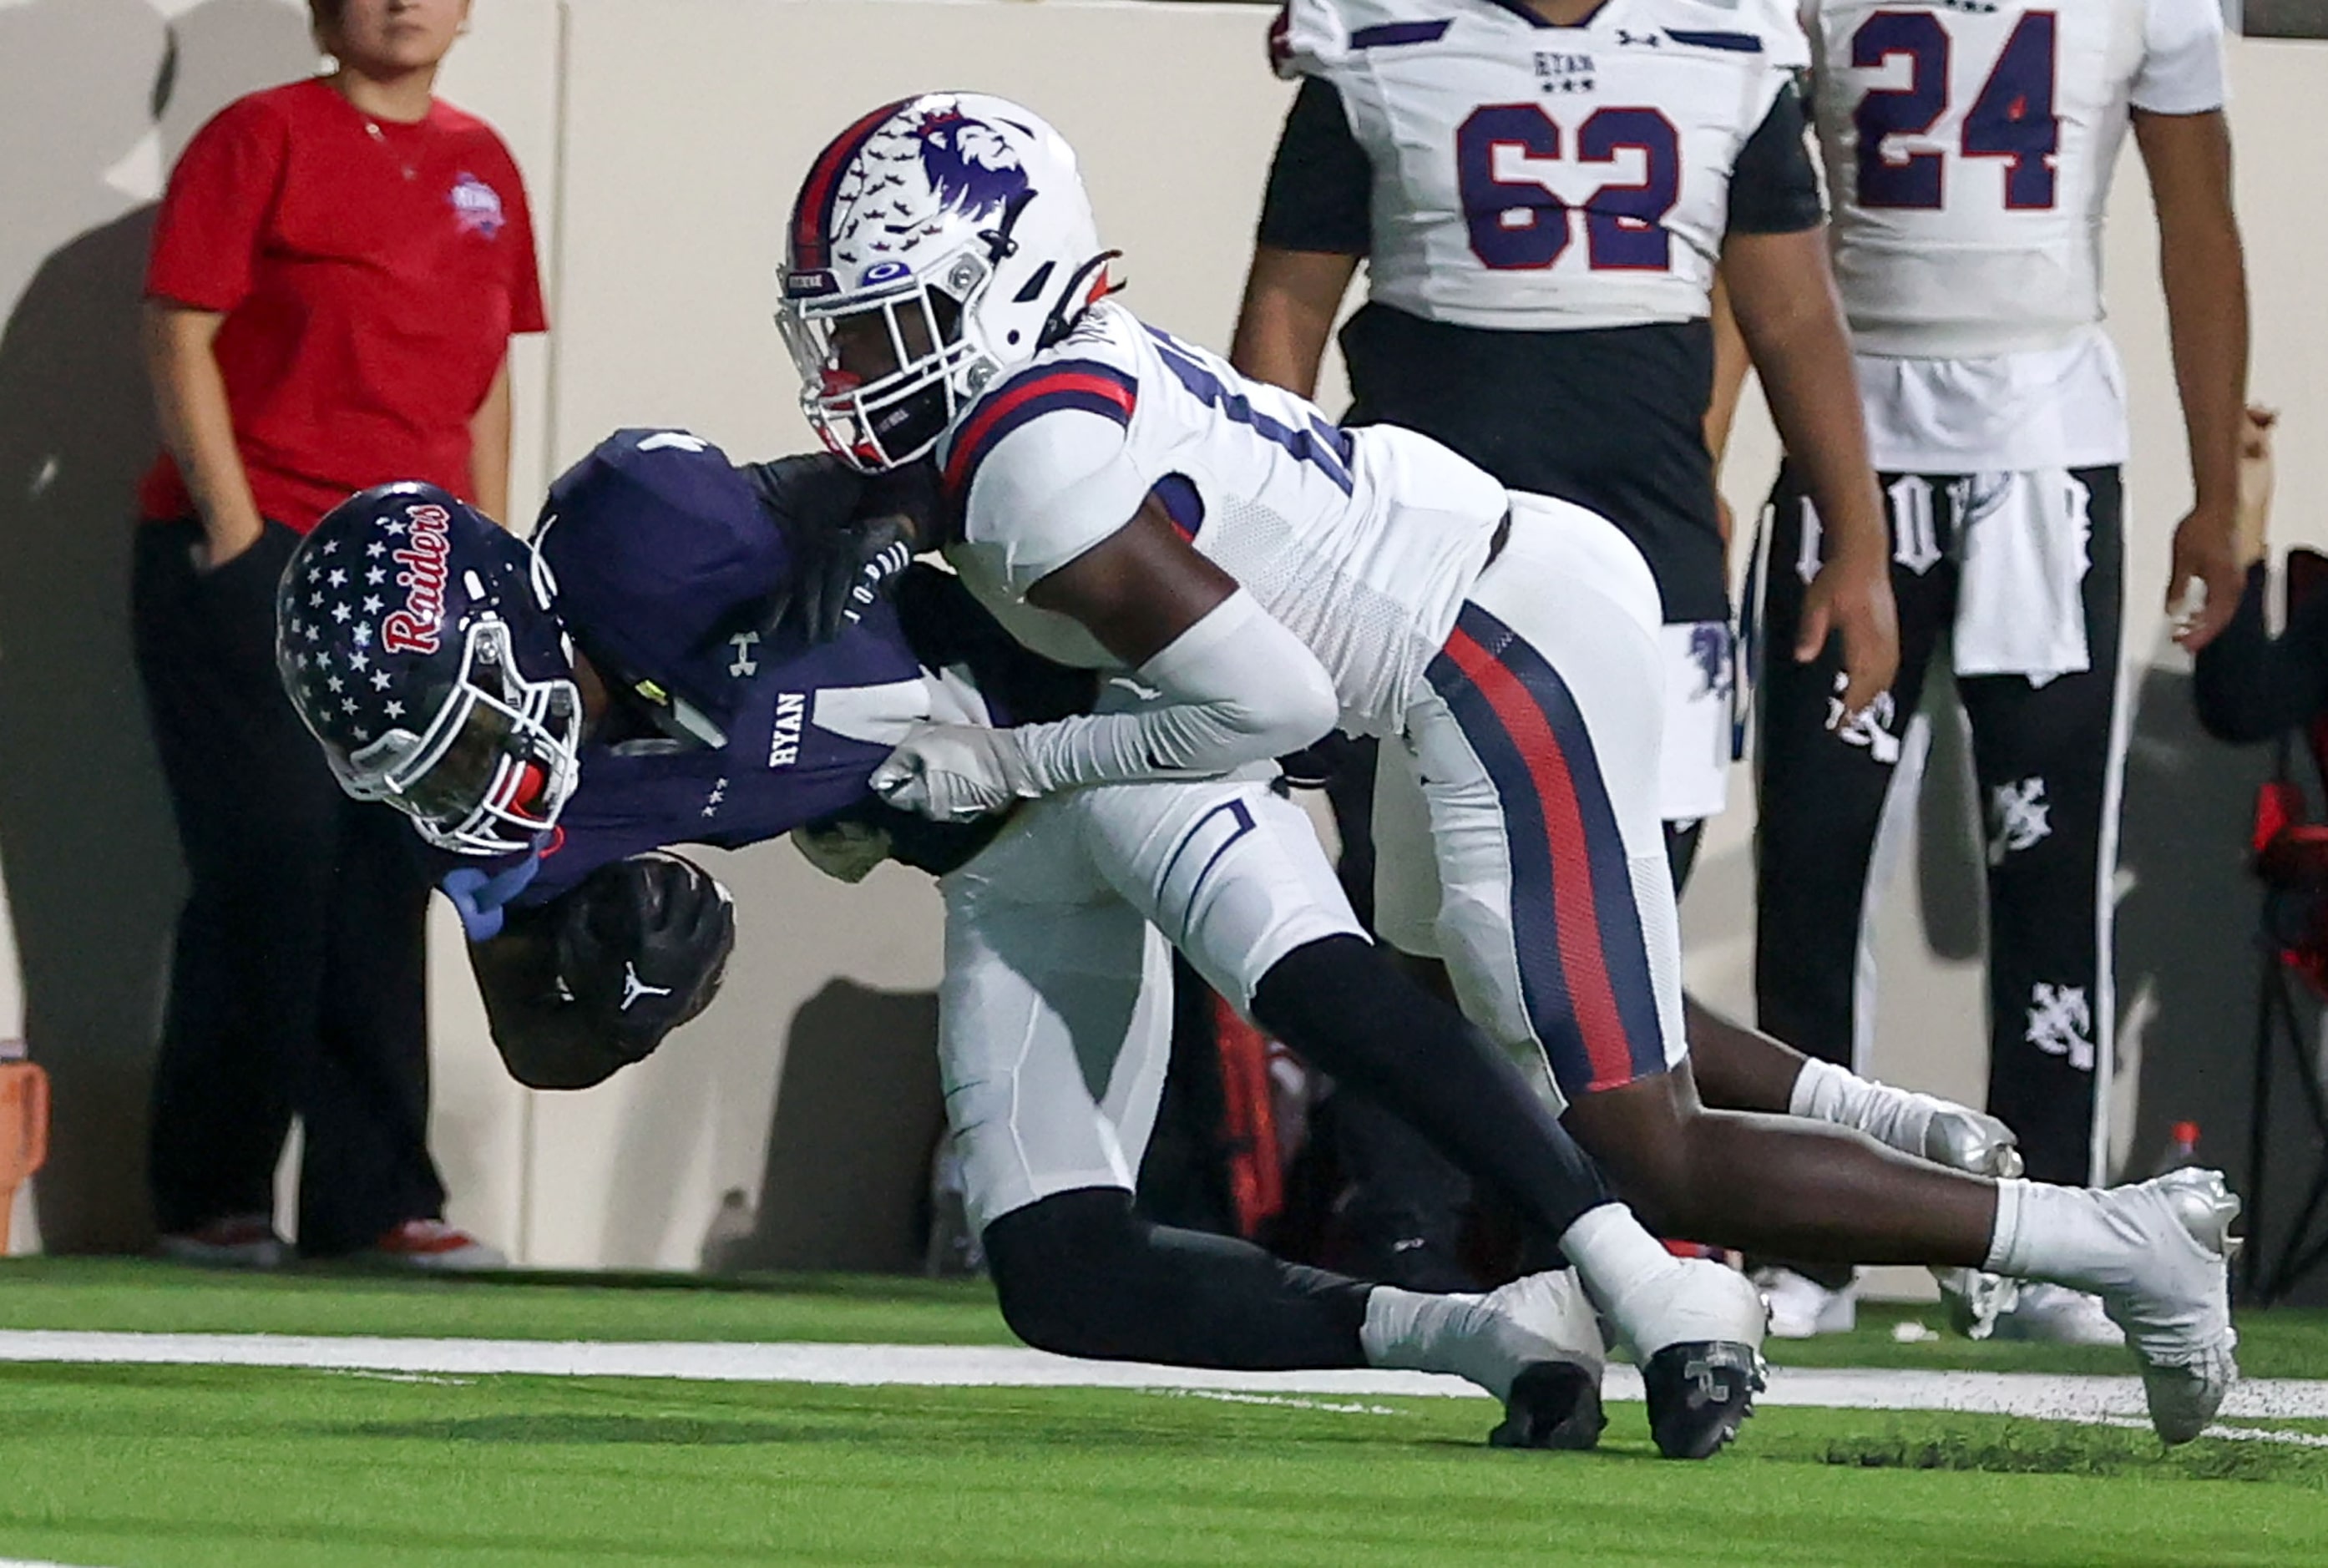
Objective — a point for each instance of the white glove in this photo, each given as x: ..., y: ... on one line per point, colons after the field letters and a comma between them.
x: 845, y: 851
x: 956, y: 772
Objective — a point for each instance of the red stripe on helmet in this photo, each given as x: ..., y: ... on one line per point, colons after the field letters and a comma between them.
x: 811, y: 212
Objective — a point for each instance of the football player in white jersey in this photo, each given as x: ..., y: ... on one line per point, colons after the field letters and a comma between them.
x: 1541, y: 190
x: 545, y: 713
x: 1121, y: 499
x: 1969, y: 151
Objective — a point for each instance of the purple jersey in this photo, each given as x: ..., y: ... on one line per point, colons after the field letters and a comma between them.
x: 721, y: 734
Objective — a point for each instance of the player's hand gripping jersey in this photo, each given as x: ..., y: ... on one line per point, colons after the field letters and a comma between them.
x: 1361, y: 543
x: 1535, y: 177
x: 1970, y: 149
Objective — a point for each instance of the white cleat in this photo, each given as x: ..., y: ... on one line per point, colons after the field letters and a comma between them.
x: 1696, y: 1332
x: 1555, y: 1401
x: 1802, y: 1308
x: 2173, y: 1300
x: 2056, y: 1315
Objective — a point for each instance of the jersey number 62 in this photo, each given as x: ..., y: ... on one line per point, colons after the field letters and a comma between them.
x: 1515, y: 220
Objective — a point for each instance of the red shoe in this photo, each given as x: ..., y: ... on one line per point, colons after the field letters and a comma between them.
x: 240, y: 1241
x: 434, y: 1246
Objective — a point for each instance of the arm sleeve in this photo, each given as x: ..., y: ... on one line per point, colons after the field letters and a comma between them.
x: 1773, y: 189
x: 2182, y: 70
x: 1235, y: 687
x: 1320, y: 184
x: 215, y: 212
x: 2250, y: 686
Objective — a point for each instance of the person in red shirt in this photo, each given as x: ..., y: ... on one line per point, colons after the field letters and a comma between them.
x: 338, y: 267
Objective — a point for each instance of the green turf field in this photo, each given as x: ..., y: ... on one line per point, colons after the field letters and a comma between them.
x: 126, y: 1466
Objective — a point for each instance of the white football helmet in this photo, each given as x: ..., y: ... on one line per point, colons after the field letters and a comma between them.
x: 938, y: 242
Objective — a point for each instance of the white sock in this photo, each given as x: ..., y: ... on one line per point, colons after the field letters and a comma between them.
x: 2066, y: 1235
x: 1897, y: 1118
x: 1414, y: 1331
x: 1612, y: 1253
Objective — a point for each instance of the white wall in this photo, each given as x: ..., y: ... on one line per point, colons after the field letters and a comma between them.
x: 661, y: 141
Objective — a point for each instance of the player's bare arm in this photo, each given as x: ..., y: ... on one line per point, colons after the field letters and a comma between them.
x: 1790, y: 319
x: 1138, y: 591
x: 1291, y: 300
x: 489, y: 448
x: 2200, y: 264
x: 1730, y: 364
x: 190, y: 403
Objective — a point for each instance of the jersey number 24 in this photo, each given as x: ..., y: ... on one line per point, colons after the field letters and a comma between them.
x: 2011, y: 118
x: 1519, y: 224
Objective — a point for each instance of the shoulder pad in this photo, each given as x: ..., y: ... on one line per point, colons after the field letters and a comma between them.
x: 657, y: 541
x: 1769, y: 33
x: 1318, y: 37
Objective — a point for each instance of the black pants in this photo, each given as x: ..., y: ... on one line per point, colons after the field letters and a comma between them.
x: 2045, y: 759
x: 299, y: 981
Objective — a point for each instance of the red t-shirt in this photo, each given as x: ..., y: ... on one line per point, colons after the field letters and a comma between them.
x: 370, y: 275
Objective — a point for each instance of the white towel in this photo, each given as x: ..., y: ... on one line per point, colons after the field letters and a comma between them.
x: 2019, y: 605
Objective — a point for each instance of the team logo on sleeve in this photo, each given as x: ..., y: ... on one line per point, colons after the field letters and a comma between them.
x: 476, y: 206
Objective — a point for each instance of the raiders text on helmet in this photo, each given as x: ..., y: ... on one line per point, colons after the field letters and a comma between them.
x: 419, y: 643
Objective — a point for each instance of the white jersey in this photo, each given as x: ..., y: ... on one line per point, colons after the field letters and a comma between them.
x: 1969, y: 148
x: 1533, y: 177
x: 1362, y: 543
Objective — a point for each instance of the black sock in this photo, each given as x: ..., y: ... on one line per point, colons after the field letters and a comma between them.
x: 1079, y: 1273
x: 1340, y: 1004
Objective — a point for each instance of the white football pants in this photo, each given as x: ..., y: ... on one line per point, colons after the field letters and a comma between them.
x: 1056, y: 1012
x: 1517, y: 821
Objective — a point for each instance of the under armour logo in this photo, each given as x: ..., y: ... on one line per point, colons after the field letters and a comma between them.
x: 2019, y: 817
x: 744, y: 664
x: 634, y: 987
x: 2061, y: 1023
x: 1870, y: 729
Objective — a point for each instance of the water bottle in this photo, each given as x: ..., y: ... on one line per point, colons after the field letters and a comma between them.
x: 23, y: 1126
x: 2181, y: 1148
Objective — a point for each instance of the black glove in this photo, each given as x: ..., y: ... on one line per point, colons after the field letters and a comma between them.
x: 641, y: 945
x: 849, y: 534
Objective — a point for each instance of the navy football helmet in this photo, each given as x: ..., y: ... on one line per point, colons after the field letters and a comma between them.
x: 420, y: 643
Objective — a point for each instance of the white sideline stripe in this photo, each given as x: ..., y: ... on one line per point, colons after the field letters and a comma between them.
x: 2022, y: 1394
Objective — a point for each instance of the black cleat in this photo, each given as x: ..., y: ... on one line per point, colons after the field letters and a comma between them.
x: 1552, y: 1405
x: 1700, y: 1393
